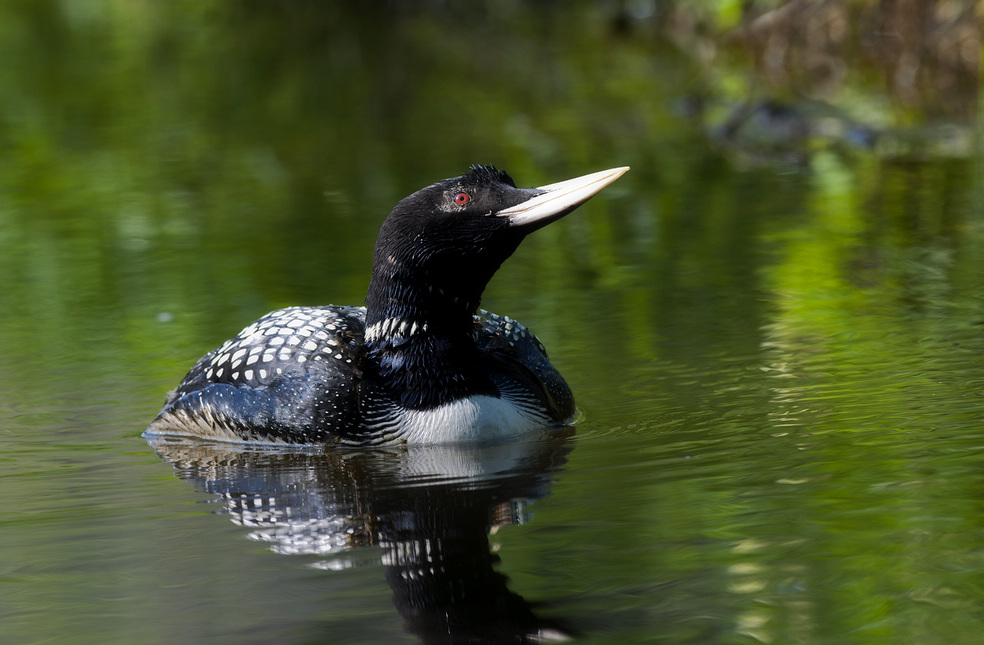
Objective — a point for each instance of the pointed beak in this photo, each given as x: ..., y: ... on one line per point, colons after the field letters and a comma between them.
x: 553, y: 201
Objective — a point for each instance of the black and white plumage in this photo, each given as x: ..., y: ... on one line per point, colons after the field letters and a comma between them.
x: 419, y: 363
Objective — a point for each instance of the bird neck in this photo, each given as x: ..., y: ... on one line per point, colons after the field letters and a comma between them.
x: 400, y: 309
x: 420, y: 337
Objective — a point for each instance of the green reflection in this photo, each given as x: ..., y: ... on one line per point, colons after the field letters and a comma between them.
x: 775, y: 338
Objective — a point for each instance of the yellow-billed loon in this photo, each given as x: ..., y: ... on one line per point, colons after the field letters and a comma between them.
x: 419, y: 363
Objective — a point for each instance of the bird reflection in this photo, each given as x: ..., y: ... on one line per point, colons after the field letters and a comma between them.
x: 429, y: 509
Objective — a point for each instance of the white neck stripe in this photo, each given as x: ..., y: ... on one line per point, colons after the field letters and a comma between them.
x: 393, y: 327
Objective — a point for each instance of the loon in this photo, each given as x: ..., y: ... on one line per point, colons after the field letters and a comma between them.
x: 420, y: 363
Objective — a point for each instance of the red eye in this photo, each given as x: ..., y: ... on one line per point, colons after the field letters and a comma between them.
x: 462, y: 198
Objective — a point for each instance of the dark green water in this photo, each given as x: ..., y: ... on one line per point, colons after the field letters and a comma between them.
x: 778, y: 351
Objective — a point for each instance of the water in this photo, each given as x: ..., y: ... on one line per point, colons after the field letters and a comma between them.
x: 776, y: 346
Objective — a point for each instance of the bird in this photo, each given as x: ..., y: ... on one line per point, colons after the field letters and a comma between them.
x: 420, y: 363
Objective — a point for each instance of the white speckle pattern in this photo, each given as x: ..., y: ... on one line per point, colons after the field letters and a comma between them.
x: 298, y: 362
x: 281, y: 342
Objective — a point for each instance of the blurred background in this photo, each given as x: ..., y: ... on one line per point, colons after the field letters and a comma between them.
x: 772, y: 324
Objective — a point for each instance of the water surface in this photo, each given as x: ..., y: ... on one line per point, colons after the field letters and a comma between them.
x: 777, y: 346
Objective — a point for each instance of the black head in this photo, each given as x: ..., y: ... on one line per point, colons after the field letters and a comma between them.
x: 452, y: 226
x: 441, y: 245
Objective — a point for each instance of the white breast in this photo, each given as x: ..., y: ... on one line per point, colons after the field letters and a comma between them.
x: 475, y: 418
